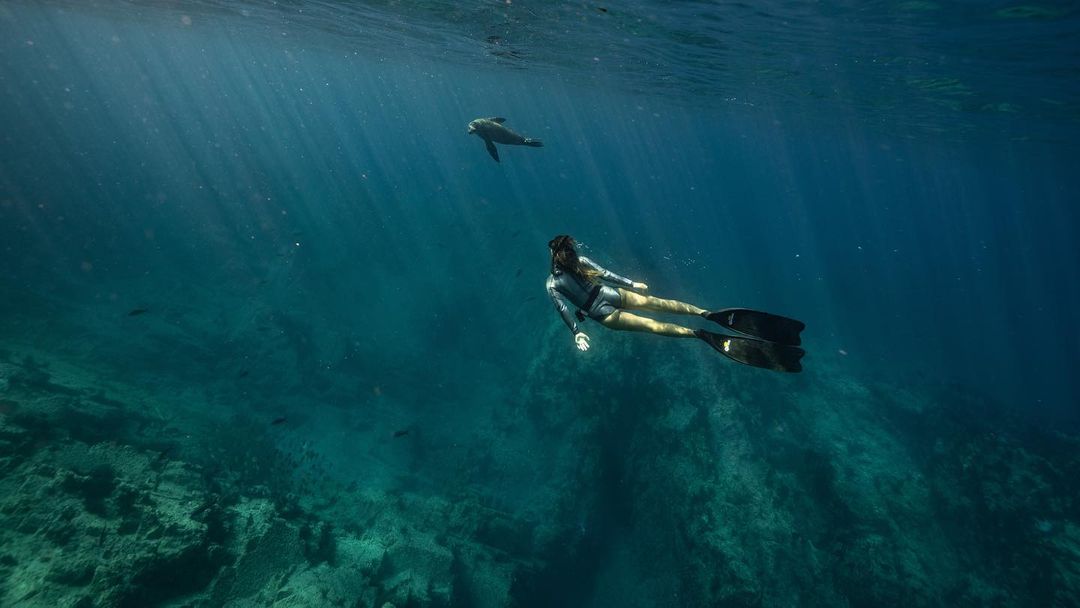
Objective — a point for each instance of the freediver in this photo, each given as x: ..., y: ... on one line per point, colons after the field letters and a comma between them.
x: 768, y: 341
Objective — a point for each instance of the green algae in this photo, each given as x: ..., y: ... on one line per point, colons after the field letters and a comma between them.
x: 706, y: 483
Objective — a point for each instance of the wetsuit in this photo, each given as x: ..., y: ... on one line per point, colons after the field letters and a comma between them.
x: 596, y: 300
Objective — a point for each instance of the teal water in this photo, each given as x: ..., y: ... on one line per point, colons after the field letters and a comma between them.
x: 288, y: 193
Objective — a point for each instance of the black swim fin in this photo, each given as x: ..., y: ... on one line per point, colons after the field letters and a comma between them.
x: 764, y: 325
x: 757, y: 353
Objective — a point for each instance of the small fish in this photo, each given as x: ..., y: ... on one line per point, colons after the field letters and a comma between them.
x: 601, y: 9
x: 138, y: 311
x: 242, y: 374
x: 518, y: 273
x: 401, y: 433
x: 278, y: 420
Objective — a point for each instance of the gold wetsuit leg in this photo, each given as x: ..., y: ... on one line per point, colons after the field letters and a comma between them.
x: 620, y: 319
x: 636, y: 301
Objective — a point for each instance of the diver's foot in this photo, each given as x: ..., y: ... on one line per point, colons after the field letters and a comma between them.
x: 763, y: 325
x: 708, y: 337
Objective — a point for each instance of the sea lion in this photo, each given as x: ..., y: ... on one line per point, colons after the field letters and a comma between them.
x: 492, y: 131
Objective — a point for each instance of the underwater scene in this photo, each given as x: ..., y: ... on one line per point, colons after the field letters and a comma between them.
x: 525, y: 303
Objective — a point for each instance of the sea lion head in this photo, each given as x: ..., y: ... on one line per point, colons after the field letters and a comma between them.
x: 472, y: 126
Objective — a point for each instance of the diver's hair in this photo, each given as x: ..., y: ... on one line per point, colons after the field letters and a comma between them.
x: 564, y: 257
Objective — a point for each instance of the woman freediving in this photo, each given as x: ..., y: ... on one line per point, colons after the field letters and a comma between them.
x: 768, y: 341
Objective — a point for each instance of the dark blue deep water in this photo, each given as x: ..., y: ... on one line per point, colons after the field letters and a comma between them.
x: 274, y: 331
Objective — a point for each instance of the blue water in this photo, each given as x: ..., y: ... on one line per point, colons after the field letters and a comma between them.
x: 159, y: 153
x: 289, y: 191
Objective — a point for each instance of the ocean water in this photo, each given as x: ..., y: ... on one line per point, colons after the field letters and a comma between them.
x: 264, y: 303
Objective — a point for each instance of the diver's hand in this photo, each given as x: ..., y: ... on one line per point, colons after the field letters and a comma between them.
x: 581, y: 340
x: 642, y: 287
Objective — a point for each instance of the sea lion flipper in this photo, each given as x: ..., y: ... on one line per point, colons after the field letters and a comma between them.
x: 498, y: 119
x: 491, y: 149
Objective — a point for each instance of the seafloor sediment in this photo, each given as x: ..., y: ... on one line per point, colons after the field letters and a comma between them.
x: 659, y: 476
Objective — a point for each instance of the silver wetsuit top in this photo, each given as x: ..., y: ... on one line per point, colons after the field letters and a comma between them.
x: 562, y: 286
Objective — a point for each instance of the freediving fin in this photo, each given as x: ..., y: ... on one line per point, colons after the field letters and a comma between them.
x: 756, y: 353
x: 764, y: 325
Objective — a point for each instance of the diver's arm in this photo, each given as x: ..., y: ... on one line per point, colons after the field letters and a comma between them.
x: 611, y: 277
x: 560, y: 305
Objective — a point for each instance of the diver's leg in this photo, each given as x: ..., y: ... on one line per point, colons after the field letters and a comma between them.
x: 620, y: 319
x: 636, y: 301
